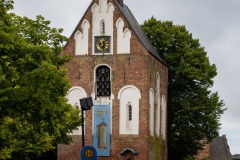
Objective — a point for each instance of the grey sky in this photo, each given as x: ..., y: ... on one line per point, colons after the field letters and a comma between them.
x: 216, y: 23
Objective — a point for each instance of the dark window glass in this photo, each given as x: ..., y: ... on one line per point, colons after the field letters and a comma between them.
x: 129, y: 112
x: 102, y: 24
x: 103, y: 27
x: 103, y: 81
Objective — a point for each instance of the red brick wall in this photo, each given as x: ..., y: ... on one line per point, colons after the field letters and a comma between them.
x: 139, y: 69
x: 204, y: 153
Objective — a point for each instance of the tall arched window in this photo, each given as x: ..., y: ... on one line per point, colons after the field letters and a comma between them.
x: 157, y: 99
x: 103, y: 81
x: 129, y: 97
x: 129, y: 116
x: 164, y: 117
x: 157, y: 88
x: 102, y: 27
x: 151, y: 112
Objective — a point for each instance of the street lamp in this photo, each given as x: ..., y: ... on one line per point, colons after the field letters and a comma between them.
x: 86, y: 104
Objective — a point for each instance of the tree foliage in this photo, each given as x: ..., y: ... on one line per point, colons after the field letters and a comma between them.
x: 193, y: 109
x: 34, y: 114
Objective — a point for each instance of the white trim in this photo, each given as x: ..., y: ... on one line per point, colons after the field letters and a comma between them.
x: 129, y: 95
x: 151, y: 112
x: 85, y: 22
x: 158, y: 81
x: 81, y: 39
x: 158, y: 117
x: 95, y: 6
x: 102, y: 11
x: 119, y: 20
x: 78, y: 32
x: 102, y: 100
x: 129, y: 86
x: 110, y: 5
x: 74, y: 100
x: 164, y: 118
x: 77, y: 87
x: 158, y: 102
x: 94, y: 83
x: 123, y: 38
x: 126, y: 32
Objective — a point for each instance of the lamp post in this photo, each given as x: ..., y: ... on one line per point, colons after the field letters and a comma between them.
x: 86, y: 104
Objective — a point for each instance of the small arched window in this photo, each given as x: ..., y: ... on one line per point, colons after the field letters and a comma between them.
x: 129, y: 112
x: 129, y: 116
x: 102, y: 27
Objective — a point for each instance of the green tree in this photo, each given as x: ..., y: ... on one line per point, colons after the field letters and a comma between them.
x: 34, y: 114
x: 193, y: 109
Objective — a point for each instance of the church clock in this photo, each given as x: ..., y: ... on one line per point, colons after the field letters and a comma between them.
x: 102, y: 44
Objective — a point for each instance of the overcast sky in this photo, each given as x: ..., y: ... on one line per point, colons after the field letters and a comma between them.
x: 216, y: 23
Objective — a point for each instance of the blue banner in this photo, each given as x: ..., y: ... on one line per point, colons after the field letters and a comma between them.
x: 101, y: 130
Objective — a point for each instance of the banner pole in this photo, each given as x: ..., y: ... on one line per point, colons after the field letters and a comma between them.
x: 83, y: 141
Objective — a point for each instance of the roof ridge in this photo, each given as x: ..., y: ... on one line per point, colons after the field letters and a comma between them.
x: 141, y: 35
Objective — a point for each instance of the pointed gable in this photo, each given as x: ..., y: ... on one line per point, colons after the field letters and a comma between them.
x: 129, y: 19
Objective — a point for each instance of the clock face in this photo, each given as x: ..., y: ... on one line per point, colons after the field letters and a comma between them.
x: 102, y: 44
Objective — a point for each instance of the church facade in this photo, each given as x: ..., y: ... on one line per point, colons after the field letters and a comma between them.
x: 114, y: 63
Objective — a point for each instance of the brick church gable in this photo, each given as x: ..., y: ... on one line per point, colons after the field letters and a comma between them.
x: 114, y: 62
